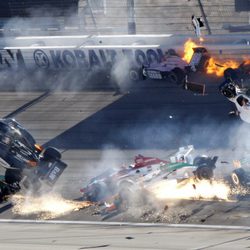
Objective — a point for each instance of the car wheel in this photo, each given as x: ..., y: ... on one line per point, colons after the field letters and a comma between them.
x: 230, y: 73
x: 172, y: 77
x: 204, y: 173
x: 238, y: 177
x: 134, y: 75
x: 51, y: 154
x: 180, y: 75
x: 13, y: 176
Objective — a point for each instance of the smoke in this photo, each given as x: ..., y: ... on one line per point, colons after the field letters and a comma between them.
x: 120, y: 73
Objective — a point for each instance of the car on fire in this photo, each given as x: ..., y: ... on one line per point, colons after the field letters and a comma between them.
x: 25, y: 161
x: 180, y: 166
x: 173, y: 68
x: 240, y: 73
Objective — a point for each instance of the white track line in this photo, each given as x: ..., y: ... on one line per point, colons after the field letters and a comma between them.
x: 98, y: 223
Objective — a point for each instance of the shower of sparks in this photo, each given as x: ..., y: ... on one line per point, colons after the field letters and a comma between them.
x: 47, y: 206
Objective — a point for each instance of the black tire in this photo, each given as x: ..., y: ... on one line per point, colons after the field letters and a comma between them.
x: 172, y: 77
x: 13, y: 176
x: 204, y: 173
x: 135, y: 74
x: 51, y: 154
x: 177, y: 76
x: 229, y: 93
x: 230, y: 73
x: 180, y: 74
x: 238, y: 177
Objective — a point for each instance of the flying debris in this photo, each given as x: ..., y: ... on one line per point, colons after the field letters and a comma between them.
x: 240, y: 176
x: 239, y: 95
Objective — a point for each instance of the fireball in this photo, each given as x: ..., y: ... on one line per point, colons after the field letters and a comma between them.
x: 214, y: 65
x: 217, y: 68
x: 188, y: 50
x: 204, y: 189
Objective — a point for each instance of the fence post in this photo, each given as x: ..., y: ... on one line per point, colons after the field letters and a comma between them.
x: 131, y: 17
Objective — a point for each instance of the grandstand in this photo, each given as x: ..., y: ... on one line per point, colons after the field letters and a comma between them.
x: 111, y: 16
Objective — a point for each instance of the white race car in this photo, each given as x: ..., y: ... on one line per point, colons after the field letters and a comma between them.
x: 239, y: 96
x: 173, y: 68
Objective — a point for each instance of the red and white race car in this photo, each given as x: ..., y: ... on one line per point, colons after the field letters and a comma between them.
x: 113, y: 180
x: 180, y: 166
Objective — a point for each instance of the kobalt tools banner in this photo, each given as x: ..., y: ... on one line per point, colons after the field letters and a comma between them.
x: 76, y: 58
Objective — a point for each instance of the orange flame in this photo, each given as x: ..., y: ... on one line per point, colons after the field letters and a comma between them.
x: 188, y: 50
x: 214, y: 65
x: 218, y: 68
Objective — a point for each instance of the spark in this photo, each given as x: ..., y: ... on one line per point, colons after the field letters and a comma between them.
x: 190, y: 189
x: 47, y: 206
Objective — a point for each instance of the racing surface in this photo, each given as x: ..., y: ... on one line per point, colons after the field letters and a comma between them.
x: 96, y: 129
x: 73, y: 236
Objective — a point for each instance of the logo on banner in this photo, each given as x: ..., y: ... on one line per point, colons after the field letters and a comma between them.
x: 41, y: 59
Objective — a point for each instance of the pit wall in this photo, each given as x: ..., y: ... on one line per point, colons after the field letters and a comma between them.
x: 86, y: 52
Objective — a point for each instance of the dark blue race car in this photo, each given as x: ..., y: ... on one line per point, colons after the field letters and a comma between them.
x: 24, y: 160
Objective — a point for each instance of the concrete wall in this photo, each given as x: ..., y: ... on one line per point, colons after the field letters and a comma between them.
x: 168, y: 16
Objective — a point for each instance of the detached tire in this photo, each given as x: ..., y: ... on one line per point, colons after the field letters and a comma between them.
x: 238, y: 177
x: 51, y: 154
x: 13, y: 176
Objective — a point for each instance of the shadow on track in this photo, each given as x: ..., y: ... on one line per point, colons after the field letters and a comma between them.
x: 154, y: 118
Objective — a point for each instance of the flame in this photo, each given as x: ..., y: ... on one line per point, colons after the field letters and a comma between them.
x: 216, y: 67
x: 47, y: 206
x: 188, y: 50
x: 170, y: 189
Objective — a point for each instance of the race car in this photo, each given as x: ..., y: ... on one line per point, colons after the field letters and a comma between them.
x: 174, y: 69
x: 112, y: 180
x: 240, y: 96
x: 180, y: 166
x: 25, y: 161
